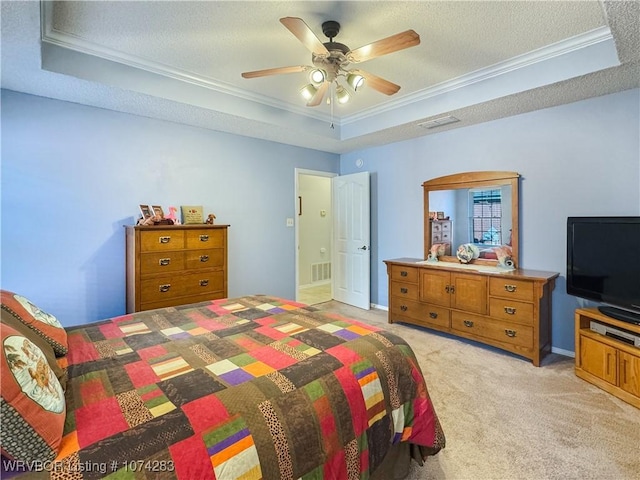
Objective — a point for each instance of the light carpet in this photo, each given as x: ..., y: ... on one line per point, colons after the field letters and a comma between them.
x: 503, y: 418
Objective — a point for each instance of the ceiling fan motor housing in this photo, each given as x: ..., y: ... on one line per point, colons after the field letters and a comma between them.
x: 331, y: 28
x: 337, y: 52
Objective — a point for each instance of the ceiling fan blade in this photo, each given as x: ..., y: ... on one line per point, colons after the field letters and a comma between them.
x: 275, y: 71
x: 391, y: 44
x: 378, y: 83
x: 317, y: 98
x: 303, y: 33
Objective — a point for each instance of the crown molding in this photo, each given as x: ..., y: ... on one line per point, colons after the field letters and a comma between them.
x: 549, y: 52
x: 75, y: 43
x: 71, y: 42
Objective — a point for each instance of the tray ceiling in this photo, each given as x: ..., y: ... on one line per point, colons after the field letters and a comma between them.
x: 181, y: 61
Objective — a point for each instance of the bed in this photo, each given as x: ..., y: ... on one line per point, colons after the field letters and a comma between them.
x: 243, y: 388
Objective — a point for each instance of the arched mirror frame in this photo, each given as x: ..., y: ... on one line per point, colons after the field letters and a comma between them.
x: 469, y: 180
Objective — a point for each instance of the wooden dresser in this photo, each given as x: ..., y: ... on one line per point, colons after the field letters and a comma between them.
x: 508, y: 310
x: 174, y: 265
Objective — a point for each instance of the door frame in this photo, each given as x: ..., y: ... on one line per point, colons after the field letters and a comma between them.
x: 297, y: 173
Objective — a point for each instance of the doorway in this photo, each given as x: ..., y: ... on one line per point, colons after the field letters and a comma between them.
x: 314, y: 252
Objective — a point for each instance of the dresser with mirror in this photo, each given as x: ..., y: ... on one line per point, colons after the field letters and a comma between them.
x: 482, y: 300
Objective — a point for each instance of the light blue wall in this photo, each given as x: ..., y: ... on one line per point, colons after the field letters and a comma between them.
x: 73, y: 175
x: 577, y: 159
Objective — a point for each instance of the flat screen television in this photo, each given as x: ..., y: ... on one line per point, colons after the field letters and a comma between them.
x: 603, y: 264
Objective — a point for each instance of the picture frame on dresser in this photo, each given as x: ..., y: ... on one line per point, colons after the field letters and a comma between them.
x: 157, y: 210
x: 145, y: 210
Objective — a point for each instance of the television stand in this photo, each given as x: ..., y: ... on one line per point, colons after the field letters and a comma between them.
x: 607, y: 362
x: 620, y: 314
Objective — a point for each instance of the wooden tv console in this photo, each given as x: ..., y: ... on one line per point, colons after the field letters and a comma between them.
x: 510, y: 310
x: 606, y: 362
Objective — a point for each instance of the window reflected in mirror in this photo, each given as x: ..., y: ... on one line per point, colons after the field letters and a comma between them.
x: 485, y: 221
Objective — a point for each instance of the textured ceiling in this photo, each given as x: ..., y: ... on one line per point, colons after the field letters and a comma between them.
x: 181, y: 61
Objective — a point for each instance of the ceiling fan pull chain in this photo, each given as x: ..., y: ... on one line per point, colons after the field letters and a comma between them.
x: 331, y: 96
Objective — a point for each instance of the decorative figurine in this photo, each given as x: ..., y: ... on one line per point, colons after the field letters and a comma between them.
x: 210, y: 219
x: 505, y: 261
x: 437, y: 250
x: 172, y: 215
x: 467, y: 252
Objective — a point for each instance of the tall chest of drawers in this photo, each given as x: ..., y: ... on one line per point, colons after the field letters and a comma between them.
x: 174, y: 265
x: 441, y: 233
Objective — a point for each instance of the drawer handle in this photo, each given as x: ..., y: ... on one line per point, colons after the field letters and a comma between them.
x: 510, y: 288
x: 164, y: 239
x: 204, y: 283
x: 165, y: 288
x: 404, y: 308
x: 204, y: 238
x: 164, y: 262
x: 447, y: 289
x: 404, y: 290
x: 468, y: 323
x: 510, y: 333
x: 433, y: 315
x: 509, y: 310
x: 403, y: 273
x: 204, y: 258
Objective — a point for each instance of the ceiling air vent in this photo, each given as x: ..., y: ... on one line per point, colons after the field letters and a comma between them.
x: 439, y: 122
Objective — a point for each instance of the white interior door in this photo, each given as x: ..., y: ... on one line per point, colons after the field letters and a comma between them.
x: 351, y: 240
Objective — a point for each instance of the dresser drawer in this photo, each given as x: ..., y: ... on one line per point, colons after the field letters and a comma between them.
x: 511, y: 310
x: 204, y: 282
x: 161, y: 288
x: 204, y: 238
x: 404, y: 274
x: 163, y: 239
x: 172, y: 287
x: 404, y: 290
x: 512, y: 334
x: 508, y: 288
x: 161, y: 262
x: 198, y: 259
x: 428, y: 314
x: 441, y: 237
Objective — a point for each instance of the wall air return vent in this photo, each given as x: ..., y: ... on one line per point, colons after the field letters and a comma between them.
x: 439, y: 122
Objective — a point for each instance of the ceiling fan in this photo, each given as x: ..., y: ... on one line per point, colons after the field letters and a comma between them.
x: 332, y: 59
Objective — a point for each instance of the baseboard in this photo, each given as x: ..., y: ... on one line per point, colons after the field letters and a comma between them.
x: 379, y: 307
x: 562, y: 351
x: 314, y: 284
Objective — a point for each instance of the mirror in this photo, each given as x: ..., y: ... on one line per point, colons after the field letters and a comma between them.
x: 491, y: 197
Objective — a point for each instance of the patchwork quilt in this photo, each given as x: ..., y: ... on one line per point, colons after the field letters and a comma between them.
x: 246, y: 388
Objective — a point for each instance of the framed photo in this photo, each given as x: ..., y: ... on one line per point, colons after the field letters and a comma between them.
x: 145, y: 210
x: 440, y: 215
x: 157, y: 210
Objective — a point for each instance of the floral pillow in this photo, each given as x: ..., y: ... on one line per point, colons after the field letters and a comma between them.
x: 32, y: 401
x: 54, y: 363
x: 41, y: 322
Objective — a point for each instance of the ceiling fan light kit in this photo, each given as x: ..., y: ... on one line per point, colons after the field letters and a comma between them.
x: 317, y: 76
x: 355, y: 81
x: 332, y: 59
x: 308, y: 91
x: 342, y: 95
